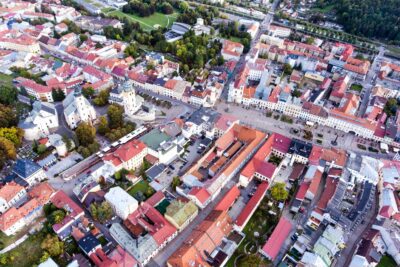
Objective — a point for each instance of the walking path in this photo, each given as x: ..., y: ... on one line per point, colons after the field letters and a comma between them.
x: 15, y: 244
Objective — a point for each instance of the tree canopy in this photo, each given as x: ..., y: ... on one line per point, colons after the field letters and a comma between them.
x: 370, y: 18
x: 85, y: 133
x: 101, y: 212
x: 8, y: 116
x: 279, y: 192
x: 8, y: 95
x: 52, y: 245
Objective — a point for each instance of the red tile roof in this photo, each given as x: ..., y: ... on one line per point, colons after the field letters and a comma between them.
x: 200, y: 193
x: 315, y: 182
x: 252, y: 205
x: 202, y: 241
x: 155, y: 199
x: 281, y: 143
x: 125, y: 152
x: 153, y: 222
x: 225, y: 121
x: 278, y: 237
x: 10, y: 190
x: 386, y: 211
x: 302, y: 191
x: 42, y: 192
x: 9, y: 218
x: 330, y: 188
x: 228, y: 200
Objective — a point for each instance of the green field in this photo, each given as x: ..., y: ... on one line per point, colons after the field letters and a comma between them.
x: 27, y: 254
x: 356, y: 87
x: 6, y: 80
x: 148, y: 23
x: 143, y: 187
x: 387, y: 261
x: 323, y: 10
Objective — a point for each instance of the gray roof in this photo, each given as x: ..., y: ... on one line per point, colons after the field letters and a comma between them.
x: 204, y: 115
x: 155, y: 171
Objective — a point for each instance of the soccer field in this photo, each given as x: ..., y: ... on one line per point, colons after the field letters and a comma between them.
x: 148, y: 23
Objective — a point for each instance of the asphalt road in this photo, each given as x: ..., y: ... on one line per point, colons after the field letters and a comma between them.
x: 369, y: 81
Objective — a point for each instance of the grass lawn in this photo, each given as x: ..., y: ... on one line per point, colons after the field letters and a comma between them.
x: 323, y: 10
x: 387, y: 261
x: 28, y: 253
x: 142, y: 186
x: 148, y: 23
x: 232, y: 38
x: 356, y: 87
x: 7, y: 240
x: 6, y: 80
x: 261, y: 222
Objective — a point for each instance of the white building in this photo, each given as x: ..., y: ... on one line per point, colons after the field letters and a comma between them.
x: 78, y: 109
x: 125, y: 96
x: 40, y: 121
x: 121, y: 202
x: 11, y: 194
x: 128, y: 156
x: 28, y: 172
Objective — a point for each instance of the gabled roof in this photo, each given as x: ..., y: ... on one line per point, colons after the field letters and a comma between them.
x: 10, y: 190
x: 252, y: 204
x: 228, y: 200
x: 278, y: 237
x: 200, y: 193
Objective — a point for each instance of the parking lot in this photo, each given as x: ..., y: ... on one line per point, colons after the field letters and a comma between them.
x: 180, y: 165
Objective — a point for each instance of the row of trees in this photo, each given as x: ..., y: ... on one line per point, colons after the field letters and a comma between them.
x: 10, y: 135
x: 146, y: 8
x: 370, y: 18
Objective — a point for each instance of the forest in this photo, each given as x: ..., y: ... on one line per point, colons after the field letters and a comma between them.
x: 369, y: 18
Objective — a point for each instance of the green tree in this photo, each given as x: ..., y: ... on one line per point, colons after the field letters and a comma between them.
x: 88, y: 92
x: 102, y: 98
x: 391, y: 107
x: 3, y: 259
x: 83, y: 37
x: 41, y: 149
x: 13, y: 134
x: 287, y: 69
x: 310, y: 40
x: 101, y: 212
x: 8, y: 116
x: 67, y: 141
x: 132, y: 50
x: 279, y: 192
x: 58, y: 94
x: 56, y: 216
x: 45, y: 257
x: 296, y: 93
x: 176, y: 181
x: 183, y: 6
x: 52, y: 245
x: 102, y: 128
x: 85, y: 133
x: 115, y: 116
x: 8, y: 95
x: 166, y: 8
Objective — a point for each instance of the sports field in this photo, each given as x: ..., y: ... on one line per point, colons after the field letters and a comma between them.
x: 148, y: 23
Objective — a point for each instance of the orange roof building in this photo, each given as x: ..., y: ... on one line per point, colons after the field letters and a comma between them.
x: 204, y: 239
